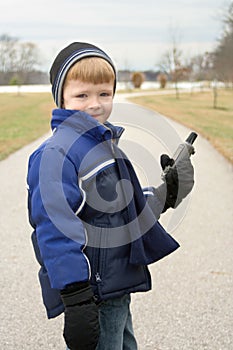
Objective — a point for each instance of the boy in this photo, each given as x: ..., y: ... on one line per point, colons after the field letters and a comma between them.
x: 95, y: 231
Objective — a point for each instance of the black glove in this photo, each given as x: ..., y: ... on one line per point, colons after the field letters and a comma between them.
x: 171, y: 179
x: 81, y: 329
x: 178, y: 181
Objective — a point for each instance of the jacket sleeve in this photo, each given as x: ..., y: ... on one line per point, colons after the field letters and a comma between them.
x: 155, y: 199
x: 54, y: 198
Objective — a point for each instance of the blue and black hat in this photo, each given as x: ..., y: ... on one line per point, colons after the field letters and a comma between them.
x: 66, y: 58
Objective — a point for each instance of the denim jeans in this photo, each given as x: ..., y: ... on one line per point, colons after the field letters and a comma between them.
x: 116, y: 330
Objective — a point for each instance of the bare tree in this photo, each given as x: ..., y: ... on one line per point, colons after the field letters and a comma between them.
x: 26, y: 60
x: 172, y: 62
x: 7, y: 56
x: 202, y: 67
x: 17, y: 59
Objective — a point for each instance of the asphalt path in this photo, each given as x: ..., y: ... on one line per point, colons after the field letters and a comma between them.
x: 191, y: 304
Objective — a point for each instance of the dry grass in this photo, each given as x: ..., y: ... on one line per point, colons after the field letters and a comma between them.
x: 196, y: 111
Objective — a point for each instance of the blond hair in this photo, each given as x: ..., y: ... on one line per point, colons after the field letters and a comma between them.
x: 94, y: 70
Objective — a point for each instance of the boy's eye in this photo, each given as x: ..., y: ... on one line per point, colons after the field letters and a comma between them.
x: 81, y: 96
x: 105, y: 94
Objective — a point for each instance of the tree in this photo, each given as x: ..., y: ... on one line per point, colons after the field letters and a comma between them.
x: 223, y: 55
x: 172, y: 63
x: 7, y: 56
x: 15, y: 81
x: 16, y: 59
x: 202, y: 67
x: 26, y: 60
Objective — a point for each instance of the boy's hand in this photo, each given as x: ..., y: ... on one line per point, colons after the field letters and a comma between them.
x: 179, y: 179
x: 171, y: 180
x: 81, y: 328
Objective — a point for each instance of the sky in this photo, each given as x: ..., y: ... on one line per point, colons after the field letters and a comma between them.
x: 135, y: 33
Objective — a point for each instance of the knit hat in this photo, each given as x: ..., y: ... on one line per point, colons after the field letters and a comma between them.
x: 66, y: 58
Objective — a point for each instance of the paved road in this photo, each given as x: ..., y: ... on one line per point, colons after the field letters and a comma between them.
x: 191, y: 304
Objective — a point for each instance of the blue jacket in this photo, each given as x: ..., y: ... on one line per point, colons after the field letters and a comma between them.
x: 90, y: 216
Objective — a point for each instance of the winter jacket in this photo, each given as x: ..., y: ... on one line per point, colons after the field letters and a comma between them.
x: 90, y: 216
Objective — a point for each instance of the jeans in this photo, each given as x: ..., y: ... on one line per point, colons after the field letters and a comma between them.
x: 116, y: 329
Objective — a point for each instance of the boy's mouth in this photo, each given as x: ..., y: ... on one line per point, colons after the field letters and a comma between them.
x: 96, y: 115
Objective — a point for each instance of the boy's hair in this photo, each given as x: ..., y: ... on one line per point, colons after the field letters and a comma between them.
x: 94, y: 70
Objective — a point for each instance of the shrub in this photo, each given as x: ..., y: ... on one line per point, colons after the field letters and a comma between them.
x: 162, y: 79
x: 137, y: 79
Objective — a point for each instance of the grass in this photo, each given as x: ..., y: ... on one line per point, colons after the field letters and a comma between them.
x: 23, y: 118
x: 196, y: 112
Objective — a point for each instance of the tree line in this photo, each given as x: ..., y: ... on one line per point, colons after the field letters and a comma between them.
x: 19, y: 61
x: 211, y: 66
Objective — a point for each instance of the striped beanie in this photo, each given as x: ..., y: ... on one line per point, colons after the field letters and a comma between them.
x: 66, y: 58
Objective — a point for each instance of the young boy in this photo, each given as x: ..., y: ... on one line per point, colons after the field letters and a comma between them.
x: 95, y: 230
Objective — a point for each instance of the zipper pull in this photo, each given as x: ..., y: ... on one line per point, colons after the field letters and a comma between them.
x: 97, y: 277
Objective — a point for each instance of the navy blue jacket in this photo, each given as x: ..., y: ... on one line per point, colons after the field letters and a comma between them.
x: 90, y: 216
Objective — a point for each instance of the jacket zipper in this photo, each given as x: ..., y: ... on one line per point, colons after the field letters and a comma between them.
x: 97, y: 277
x: 97, y: 264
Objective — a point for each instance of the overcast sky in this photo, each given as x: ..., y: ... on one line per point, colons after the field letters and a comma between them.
x: 134, y: 33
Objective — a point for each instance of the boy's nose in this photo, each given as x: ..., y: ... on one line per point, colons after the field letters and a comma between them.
x: 94, y: 102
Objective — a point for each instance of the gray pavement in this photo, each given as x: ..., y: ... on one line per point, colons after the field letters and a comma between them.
x: 191, y: 304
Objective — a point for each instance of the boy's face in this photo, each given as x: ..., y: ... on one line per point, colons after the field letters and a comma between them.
x: 94, y: 99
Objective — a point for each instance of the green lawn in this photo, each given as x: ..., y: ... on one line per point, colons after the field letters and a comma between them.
x: 196, y: 111
x: 23, y: 118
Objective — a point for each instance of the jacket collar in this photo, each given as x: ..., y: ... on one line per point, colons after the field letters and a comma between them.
x: 83, y: 122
